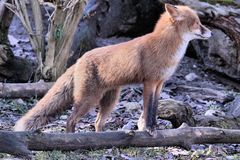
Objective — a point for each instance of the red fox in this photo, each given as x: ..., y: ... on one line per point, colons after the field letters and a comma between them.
x: 96, y: 77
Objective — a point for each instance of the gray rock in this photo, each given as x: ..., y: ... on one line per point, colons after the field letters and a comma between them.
x: 132, y: 106
x: 20, y: 101
x: 164, y: 95
x: 13, y: 41
x: 234, y: 107
x: 191, y: 77
x: 230, y: 157
x: 128, y: 126
x: 63, y: 117
x: 212, y: 112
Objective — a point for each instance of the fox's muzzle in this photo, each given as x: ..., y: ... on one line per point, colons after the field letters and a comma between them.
x: 204, y: 30
x: 205, y: 33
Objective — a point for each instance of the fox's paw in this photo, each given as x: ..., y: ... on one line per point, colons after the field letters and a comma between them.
x: 151, y: 131
x: 20, y: 125
x: 141, y: 123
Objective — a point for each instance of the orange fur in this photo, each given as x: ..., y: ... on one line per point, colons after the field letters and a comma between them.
x: 99, y: 73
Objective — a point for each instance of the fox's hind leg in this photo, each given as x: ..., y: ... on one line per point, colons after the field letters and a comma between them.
x: 82, y: 104
x: 107, y: 104
x: 80, y: 109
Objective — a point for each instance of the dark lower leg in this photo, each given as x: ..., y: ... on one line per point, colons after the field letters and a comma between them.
x: 151, y: 96
x: 151, y: 113
x: 147, y: 118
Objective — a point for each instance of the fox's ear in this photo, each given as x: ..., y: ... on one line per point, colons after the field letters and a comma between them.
x: 174, y: 12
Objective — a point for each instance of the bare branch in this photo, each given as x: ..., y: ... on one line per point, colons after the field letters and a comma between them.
x: 24, y: 90
x: 184, y: 136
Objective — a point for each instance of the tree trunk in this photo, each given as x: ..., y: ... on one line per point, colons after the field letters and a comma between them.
x: 63, y: 27
x: 19, y: 143
x: 5, y: 21
x: 11, y: 68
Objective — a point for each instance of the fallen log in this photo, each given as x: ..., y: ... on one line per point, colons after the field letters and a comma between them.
x: 183, y: 136
x: 205, y: 93
x: 24, y: 90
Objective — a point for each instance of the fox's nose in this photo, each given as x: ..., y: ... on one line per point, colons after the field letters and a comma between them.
x: 211, y: 33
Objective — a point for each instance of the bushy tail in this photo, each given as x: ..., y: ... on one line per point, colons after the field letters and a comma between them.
x: 57, y: 99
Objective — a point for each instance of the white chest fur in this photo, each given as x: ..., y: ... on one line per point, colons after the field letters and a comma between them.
x: 180, y: 52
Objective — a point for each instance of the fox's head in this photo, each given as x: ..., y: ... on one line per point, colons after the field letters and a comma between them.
x: 187, y: 22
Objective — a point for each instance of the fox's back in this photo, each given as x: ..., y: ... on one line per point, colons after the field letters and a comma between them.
x: 116, y: 64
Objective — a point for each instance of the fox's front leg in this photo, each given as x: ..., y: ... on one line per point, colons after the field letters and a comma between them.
x: 147, y: 120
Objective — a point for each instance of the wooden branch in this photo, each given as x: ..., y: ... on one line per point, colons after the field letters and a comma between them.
x: 24, y: 90
x: 227, y: 81
x: 2, y: 8
x: 5, y: 54
x: 184, y: 136
x: 205, y: 93
x: 12, y: 144
x: 6, y: 17
x: 38, y: 20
